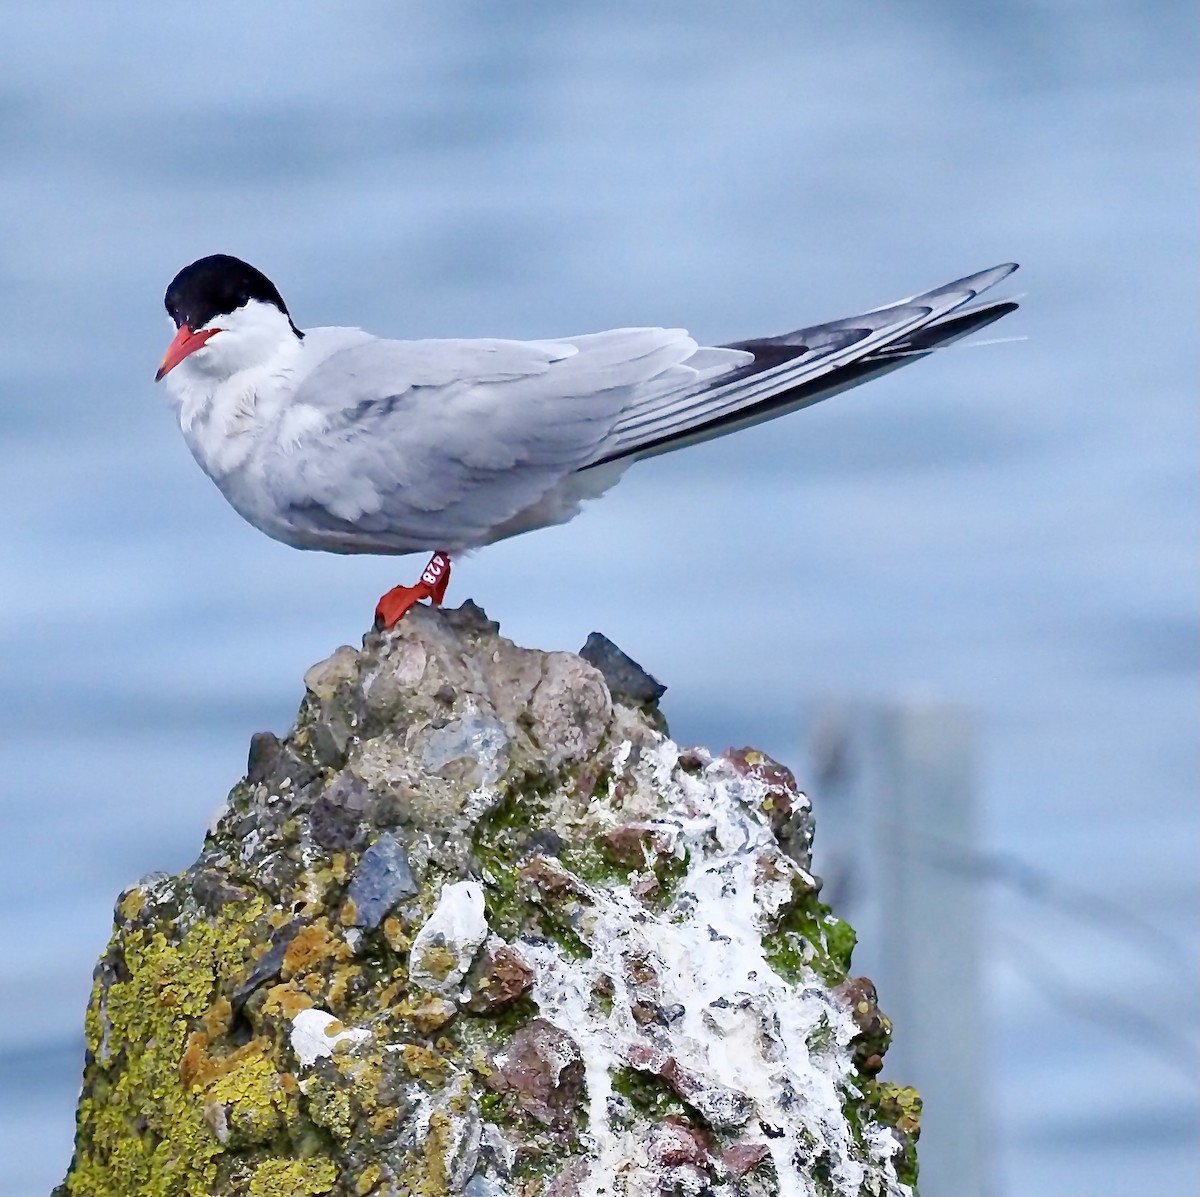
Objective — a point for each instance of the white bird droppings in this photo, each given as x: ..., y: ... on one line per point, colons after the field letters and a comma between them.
x: 767, y: 1061
x: 445, y: 946
x: 311, y: 1038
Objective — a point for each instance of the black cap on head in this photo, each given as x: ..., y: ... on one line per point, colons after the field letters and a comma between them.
x: 216, y: 286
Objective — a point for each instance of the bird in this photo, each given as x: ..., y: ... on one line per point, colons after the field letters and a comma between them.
x: 333, y: 439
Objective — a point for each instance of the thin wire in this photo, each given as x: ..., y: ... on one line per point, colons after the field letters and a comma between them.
x: 1135, y: 1022
x: 1043, y: 888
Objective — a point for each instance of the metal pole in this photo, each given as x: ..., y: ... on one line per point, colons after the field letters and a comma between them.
x: 893, y: 789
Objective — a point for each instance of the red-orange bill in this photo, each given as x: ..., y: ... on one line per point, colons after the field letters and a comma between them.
x: 185, y: 342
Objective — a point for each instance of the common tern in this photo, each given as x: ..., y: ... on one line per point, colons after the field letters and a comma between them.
x: 334, y: 439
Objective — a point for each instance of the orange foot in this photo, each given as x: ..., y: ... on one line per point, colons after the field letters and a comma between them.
x: 394, y: 605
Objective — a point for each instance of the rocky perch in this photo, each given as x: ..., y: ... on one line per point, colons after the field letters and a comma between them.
x: 478, y: 926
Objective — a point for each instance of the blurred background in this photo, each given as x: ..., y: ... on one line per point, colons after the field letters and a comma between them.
x: 1009, y: 528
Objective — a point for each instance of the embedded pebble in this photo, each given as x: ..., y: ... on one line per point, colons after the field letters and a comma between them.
x: 383, y: 879
x: 446, y: 944
x: 311, y: 1038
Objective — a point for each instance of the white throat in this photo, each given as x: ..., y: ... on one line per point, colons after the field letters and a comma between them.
x: 226, y: 391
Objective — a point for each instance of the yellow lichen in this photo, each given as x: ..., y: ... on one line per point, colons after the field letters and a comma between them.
x: 131, y: 904
x: 218, y: 1018
x: 390, y: 993
x: 438, y: 961
x: 329, y: 1105
x: 246, y: 1085
x: 294, y: 1178
x: 285, y: 1001
x: 393, y: 932
x: 340, y: 984
x: 424, y: 1063
x: 310, y: 948
x: 383, y: 1120
x: 481, y: 1063
x: 426, y: 1013
x: 194, y: 1055
x: 438, y: 1141
x: 372, y: 1174
x: 901, y: 1105
x: 141, y: 1125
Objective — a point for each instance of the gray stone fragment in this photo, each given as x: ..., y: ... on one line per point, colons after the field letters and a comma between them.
x: 477, y: 738
x: 324, y: 679
x: 383, y: 879
x: 264, y: 752
x: 627, y: 681
x: 269, y: 964
x: 470, y: 617
x: 481, y: 1186
x: 273, y: 763
x: 336, y: 817
x: 330, y: 736
x: 213, y: 890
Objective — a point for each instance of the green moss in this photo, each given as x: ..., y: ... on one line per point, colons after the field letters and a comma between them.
x: 650, y: 1095
x: 840, y: 939
x: 808, y: 937
x: 509, y: 1020
x: 503, y: 846
x: 591, y: 865
x: 670, y: 870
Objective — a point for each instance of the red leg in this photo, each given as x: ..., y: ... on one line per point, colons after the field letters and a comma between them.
x: 394, y: 605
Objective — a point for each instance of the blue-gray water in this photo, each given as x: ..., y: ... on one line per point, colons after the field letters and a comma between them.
x: 1011, y: 526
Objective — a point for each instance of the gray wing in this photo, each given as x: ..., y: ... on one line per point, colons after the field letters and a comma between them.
x: 803, y: 367
x: 392, y: 446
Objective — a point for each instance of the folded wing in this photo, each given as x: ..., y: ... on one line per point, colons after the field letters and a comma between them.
x: 394, y: 446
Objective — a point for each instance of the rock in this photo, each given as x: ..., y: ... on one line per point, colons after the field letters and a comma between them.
x: 383, y: 879
x: 264, y: 752
x: 316, y: 1033
x: 638, y: 843
x: 874, y: 1027
x: 336, y: 819
x: 503, y: 977
x: 740, y: 1158
x: 477, y: 741
x: 476, y: 925
x: 627, y: 681
x: 675, y: 1142
x: 542, y: 1068
x: 481, y: 1186
x: 269, y: 964
x: 447, y: 943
